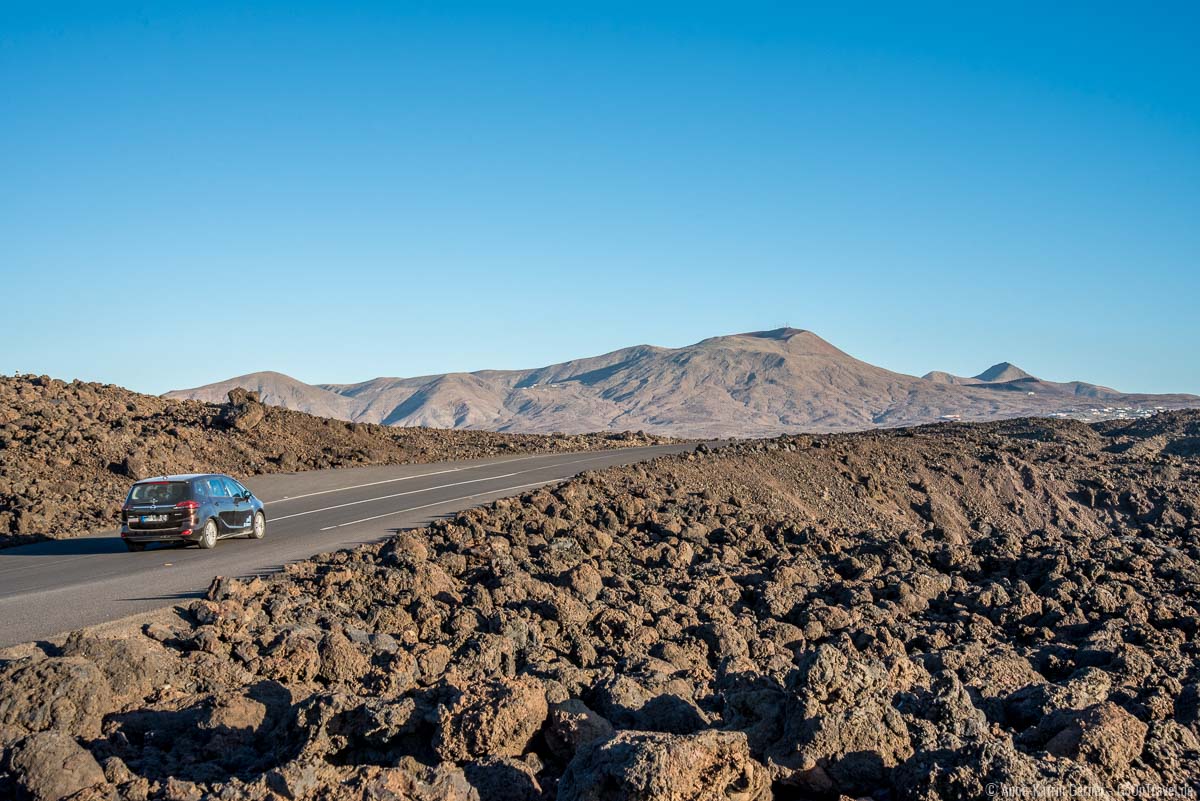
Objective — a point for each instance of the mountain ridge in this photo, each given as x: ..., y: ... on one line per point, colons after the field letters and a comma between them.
x: 757, y: 383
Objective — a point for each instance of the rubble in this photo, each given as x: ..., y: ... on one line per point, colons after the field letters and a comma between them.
x: 912, y: 614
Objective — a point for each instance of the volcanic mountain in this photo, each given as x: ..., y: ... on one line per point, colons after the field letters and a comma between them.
x: 754, y: 384
x: 996, y: 374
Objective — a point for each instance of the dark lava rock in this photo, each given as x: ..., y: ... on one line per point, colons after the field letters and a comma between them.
x: 50, y: 766
x: 932, y: 613
x: 70, y: 694
x: 646, y: 766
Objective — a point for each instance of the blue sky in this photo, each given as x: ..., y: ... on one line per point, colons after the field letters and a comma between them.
x: 197, y: 190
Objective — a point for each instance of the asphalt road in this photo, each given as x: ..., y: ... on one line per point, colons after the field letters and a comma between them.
x: 54, y: 587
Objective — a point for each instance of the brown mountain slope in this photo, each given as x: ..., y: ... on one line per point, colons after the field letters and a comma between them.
x: 276, y: 389
x: 753, y: 384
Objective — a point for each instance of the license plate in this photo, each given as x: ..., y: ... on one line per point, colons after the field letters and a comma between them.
x: 154, y: 518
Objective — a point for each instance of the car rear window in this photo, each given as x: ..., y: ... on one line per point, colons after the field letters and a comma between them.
x: 159, y: 492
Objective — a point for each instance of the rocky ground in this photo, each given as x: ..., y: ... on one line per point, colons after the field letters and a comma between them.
x: 69, y: 450
x: 955, y: 611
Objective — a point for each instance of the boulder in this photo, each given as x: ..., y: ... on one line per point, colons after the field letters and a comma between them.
x: 496, y: 719
x: 584, y: 580
x: 341, y: 659
x: 840, y: 731
x: 411, y: 781
x: 133, y: 466
x: 1104, y: 735
x: 572, y: 725
x: 68, y: 693
x: 630, y: 704
x: 134, y: 667
x: 244, y: 411
x: 503, y: 779
x: 50, y: 766
x: 988, y: 770
x: 653, y: 766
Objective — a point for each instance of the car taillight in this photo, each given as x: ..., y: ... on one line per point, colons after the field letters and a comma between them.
x: 189, y: 507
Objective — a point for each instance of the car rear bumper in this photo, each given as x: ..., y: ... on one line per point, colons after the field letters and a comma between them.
x: 158, y: 535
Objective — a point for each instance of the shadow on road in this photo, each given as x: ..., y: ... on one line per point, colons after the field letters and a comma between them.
x: 112, y: 544
x: 79, y: 546
x: 174, y: 596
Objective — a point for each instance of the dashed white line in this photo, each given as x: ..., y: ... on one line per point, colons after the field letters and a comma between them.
x: 401, y: 478
x: 48, y: 562
x: 440, y: 486
x: 439, y: 503
x: 393, y: 495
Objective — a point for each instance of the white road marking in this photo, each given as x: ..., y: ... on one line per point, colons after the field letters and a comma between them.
x: 439, y: 503
x: 402, y: 478
x: 440, y: 486
x: 120, y: 573
x: 47, y: 562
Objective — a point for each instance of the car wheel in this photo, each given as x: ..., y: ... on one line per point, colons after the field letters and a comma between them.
x: 135, y: 546
x: 208, y: 536
x: 259, y: 529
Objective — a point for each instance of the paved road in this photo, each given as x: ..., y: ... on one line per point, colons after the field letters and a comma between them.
x: 54, y: 587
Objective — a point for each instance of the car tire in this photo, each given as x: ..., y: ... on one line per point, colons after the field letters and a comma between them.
x: 258, y: 529
x: 208, y: 535
x: 135, y: 547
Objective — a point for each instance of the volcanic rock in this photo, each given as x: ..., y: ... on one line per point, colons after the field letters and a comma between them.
x: 647, y: 766
x: 50, y: 766
x: 820, y: 636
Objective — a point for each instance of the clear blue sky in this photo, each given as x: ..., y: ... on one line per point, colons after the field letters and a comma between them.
x: 197, y: 190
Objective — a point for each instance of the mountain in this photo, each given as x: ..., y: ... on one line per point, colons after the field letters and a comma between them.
x: 996, y: 374
x: 1007, y: 377
x: 277, y: 389
x: 754, y: 384
x: 1004, y: 371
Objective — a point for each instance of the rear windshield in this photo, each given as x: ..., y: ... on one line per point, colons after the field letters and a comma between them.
x: 159, y: 492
